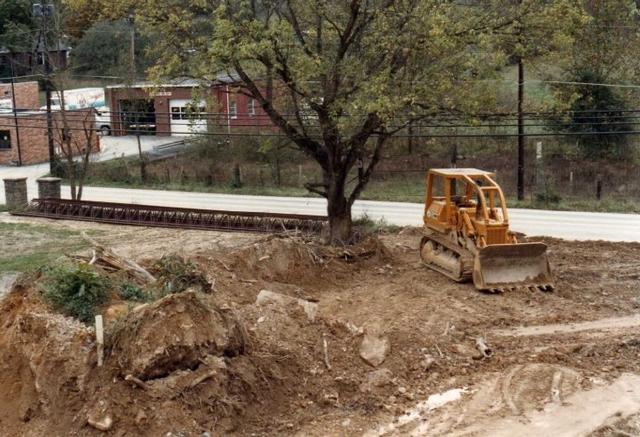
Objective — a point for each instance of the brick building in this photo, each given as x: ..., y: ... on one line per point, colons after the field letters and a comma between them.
x: 32, y: 146
x: 173, y: 109
x: 27, y: 96
x: 23, y: 63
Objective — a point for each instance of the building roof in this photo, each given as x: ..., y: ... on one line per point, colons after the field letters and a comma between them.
x: 182, y: 82
x: 455, y: 172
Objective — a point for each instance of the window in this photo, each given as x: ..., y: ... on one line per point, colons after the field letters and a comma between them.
x: 188, y: 112
x: 251, y: 107
x: 5, y: 139
x: 233, y: 110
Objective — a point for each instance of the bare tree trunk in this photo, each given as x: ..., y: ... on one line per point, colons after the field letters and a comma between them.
x: 339, y: 212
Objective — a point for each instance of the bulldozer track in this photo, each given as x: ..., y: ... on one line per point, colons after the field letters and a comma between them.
x: 465, y: 257
x: 170, y: 217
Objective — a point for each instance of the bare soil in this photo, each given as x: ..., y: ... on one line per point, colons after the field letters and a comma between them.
x: 216, y: 362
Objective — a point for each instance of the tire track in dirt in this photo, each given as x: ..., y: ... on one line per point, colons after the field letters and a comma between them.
x: 608, y: 324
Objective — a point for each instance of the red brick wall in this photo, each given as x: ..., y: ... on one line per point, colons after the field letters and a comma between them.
x: 34, y: 146
x: 26, y: 94
x: 216, y: 107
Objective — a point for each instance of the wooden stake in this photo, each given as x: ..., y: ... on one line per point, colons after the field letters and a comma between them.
x: 100, y: 339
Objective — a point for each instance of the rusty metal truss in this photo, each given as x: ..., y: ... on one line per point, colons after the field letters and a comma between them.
x: 169, y: 217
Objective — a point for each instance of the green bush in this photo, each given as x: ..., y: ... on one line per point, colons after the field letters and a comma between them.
x: 75, y: 291
x: 129, y: 291
x: 548, y: 197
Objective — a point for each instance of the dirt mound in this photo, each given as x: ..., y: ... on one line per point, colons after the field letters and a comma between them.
x: 174, y: 333
x: 302, y: 260
x: 44, y: 363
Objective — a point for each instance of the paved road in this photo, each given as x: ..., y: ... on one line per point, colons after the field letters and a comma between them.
x: 561, y: 224
x: 569, y: 225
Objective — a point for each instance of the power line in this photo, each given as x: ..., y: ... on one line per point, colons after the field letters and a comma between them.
x: 281, y: 135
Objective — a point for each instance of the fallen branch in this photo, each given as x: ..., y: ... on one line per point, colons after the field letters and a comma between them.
x: 136, y: 381
x: 105, y: 256
x: 202, y: 378
x: 439, y: 351
x: 325, y: 346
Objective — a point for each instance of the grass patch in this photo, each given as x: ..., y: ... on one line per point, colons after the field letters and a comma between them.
x: 366, y: 225
x: 3, y: 208
x: 26, y: 247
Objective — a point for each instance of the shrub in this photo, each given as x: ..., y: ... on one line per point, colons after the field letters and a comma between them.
x: 177, y: 274
x: 129, y: 291
x: 548, y: 197
x: 75, y: 291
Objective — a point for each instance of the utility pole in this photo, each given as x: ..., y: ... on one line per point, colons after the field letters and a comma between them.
x: 44, y: 11
x: 520, y: 129
x: 15, y: 111
x: 132, y: 47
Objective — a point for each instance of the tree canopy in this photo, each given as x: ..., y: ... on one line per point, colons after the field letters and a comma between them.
x: 347, y: 75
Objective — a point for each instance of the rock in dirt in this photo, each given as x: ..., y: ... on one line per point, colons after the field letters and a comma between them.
x: 175, y: 333
x: 103, y: 423
x: 375, y: 379
x: 7, y: 282
x: 374, y: 348
x: 266, y: 297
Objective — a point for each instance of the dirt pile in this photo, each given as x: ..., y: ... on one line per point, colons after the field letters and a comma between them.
x: 44, y: 362
x: 175, y: 333
x: 275, y: 345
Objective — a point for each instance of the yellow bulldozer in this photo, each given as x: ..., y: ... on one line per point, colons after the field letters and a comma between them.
x: 467, y: 236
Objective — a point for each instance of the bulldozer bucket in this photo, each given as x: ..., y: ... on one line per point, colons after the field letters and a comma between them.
x: 502, y: 267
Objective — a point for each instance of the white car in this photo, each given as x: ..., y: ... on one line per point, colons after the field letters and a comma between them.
x: 103, y: 120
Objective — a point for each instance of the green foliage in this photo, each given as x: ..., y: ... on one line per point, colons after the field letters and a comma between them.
x: 16, y: 23
x: 75, y: 291
x: 366, y: 225
x: 548, y: 197
x: 349, y: 75
x: 104, y: 50
x: 175, y: 274
x: 599, y: 111
x: 133, y: 292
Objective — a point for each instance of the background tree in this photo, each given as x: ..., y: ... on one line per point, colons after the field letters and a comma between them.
x: 17, y: 29
x: 603, y: 53
x: 354, y: 72
x: 104, y: 49
x: 539, y: 28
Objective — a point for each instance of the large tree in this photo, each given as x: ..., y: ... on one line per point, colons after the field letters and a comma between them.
x: 346, y: 75
x: 601, y: 57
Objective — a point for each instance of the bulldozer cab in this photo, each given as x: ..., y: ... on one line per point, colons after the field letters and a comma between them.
x: 468, y: 200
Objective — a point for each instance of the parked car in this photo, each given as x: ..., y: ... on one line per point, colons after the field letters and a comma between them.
x: 103, y: 120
